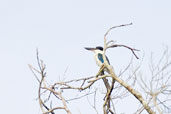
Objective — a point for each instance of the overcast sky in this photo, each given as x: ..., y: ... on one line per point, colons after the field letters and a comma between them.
x: 61, y: 30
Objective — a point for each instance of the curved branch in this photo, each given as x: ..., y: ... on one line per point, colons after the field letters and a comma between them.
x: 132, y: 49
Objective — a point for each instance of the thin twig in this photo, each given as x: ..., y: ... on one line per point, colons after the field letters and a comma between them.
x: 116, y: 27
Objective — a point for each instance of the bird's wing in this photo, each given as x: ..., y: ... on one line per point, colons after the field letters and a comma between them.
x: 100, y: 57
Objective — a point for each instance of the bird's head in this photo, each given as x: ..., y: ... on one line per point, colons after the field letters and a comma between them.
x: 95, y: 50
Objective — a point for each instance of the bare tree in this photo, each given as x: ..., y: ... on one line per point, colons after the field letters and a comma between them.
x: 115, y: 87
x: 157, y: 88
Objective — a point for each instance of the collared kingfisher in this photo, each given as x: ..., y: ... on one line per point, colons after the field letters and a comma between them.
x: 98, y: 55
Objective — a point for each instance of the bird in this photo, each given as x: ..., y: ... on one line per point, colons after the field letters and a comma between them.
x: 98, y: 55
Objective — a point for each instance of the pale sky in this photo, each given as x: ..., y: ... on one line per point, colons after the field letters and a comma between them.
x: 61, y: 30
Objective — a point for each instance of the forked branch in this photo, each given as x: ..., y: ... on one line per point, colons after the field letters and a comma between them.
x: 123, y: 83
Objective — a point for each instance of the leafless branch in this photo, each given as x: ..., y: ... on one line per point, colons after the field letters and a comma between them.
x: 123, y: 83
x: 115, y: 27
x: 159, y: 82
x: 132, y: 49
x: 42, y: 85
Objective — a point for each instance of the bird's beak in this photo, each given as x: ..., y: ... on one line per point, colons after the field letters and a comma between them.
x: 90, y: 49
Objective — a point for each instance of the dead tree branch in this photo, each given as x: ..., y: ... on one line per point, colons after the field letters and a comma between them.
x: 123, y: 83
x: 42, y: 85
